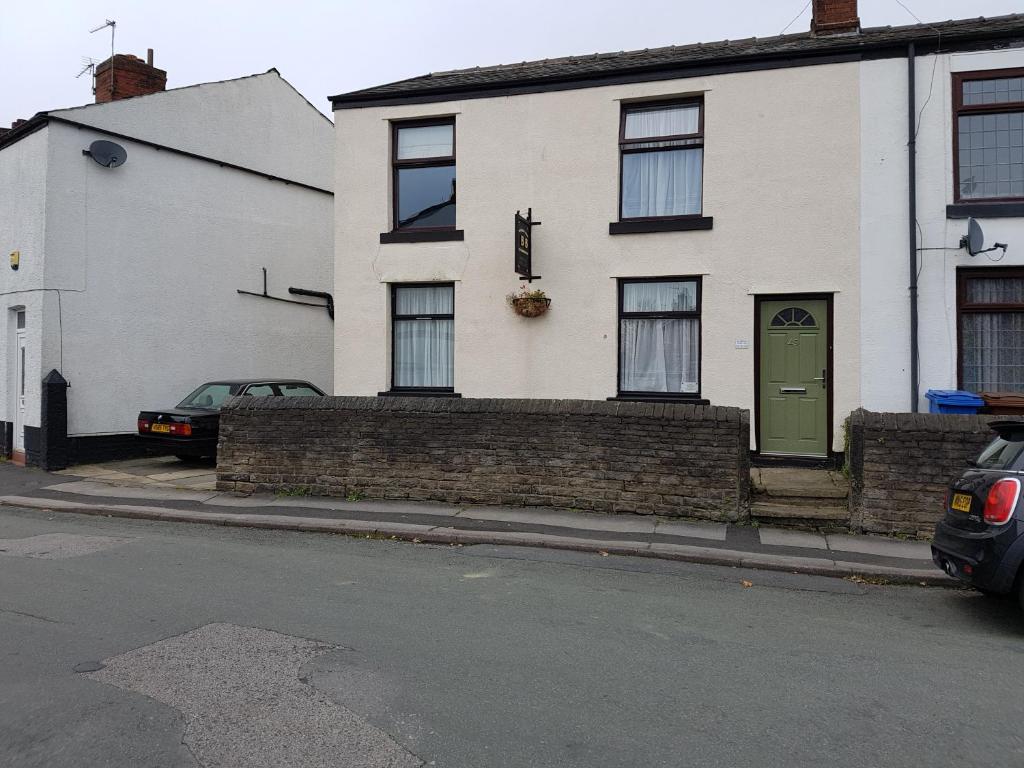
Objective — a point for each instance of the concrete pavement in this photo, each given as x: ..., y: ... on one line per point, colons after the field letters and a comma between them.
x: 190, y: 645
x: 711, y: 543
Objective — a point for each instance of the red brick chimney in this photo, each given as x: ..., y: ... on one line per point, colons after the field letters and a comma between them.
x: 124, y: 76
x: 834, y: 17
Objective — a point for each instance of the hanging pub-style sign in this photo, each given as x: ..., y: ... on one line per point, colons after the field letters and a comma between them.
x: 524, y: 245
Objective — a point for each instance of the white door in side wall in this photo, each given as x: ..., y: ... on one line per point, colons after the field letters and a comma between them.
x: 19, y: 384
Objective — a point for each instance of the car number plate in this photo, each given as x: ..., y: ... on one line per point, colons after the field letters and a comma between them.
x: 961, y: 502
x: 160, y: 428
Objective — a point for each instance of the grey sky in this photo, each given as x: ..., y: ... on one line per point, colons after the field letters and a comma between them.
x: 325, y: 47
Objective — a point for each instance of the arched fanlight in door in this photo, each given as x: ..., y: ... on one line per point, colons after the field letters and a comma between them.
x: 793, y: 317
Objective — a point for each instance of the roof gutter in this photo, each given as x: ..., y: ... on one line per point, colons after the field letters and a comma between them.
x: 912, y: 220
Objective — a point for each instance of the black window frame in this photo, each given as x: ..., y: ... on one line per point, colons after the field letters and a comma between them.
x: 441, y: 161
x: 631, y: 146
x: 960, y: 109
x: 671, y: 315
x: 396, y: 318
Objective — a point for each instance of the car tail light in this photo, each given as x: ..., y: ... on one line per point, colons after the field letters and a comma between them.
x: 1002, y: 500
x: 143, y: 425
x: 181, y: 430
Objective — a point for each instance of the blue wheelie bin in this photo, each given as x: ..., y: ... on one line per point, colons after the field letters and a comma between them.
x: 953, y: 401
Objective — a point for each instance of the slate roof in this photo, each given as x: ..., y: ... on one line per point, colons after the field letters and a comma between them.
x: 569, y: 69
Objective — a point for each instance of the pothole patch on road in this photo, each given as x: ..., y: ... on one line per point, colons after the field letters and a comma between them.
x: 58, y: 546
x: 244, y: 703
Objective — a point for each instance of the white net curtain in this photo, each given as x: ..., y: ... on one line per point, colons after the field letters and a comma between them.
x: 423, y: 355
x: 659, y: 354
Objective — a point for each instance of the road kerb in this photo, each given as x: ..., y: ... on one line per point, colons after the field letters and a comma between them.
x: 444, y: 535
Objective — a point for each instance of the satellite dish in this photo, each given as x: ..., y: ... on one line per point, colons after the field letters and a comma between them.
x: 107, y: 153
x: 975, y: 237
x: 974, y: 240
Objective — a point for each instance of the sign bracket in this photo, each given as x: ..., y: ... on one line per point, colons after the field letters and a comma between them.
x: 524, y: 245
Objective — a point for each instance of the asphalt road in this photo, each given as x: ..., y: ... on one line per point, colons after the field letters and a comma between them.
x: 132, y: 643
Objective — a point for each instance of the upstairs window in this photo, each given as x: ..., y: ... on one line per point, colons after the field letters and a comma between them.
x: 662, y: 160
x: 988, y: 135
x: 423, y: 175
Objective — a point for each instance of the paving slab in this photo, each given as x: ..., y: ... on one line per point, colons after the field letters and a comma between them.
x: 590, y: 522
x: 183, y: 474
x: 875, y: 545
x: 88, y: 470
x: 93, y: 488
x: 689, y: 530
x: 341, y: 505
x: 776, y: 537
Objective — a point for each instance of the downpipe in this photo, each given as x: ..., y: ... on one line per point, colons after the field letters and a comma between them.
x: 912, y: 222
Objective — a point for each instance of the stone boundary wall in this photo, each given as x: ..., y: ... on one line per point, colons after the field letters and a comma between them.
x: 666, y: 459
x: 901, y: 463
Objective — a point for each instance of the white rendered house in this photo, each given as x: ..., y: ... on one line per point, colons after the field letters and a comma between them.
x: 967, y: 113
x: 126, y: 279
x: 722, y: 223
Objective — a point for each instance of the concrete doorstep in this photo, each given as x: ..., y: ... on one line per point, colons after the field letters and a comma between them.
x: 844, y: 556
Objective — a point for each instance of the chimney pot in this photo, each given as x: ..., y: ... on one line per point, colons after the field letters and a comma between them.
x: 149, y: 56
x: 834, y: 17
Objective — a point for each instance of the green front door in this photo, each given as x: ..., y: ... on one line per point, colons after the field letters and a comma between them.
x: 793, y: 407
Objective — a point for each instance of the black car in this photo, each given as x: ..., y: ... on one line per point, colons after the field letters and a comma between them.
x: 190, y: 429
x: 981, y: 539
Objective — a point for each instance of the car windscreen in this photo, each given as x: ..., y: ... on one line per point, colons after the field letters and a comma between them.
x: 1002, y: 453
x: 209, y: 396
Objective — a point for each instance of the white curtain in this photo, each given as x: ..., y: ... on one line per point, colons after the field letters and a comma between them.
x: 423, y: 355
x: 677, y: 296
x: 424, y: 141
x: 993, y: 343
x: 664, y: 183
x: 425, y: 300
x: 670, y: 121
x: 659, y: 355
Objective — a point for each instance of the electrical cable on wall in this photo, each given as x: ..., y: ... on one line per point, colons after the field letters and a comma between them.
x: 60, y: 313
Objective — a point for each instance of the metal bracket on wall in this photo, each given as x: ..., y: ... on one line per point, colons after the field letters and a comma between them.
x: 328, y: 298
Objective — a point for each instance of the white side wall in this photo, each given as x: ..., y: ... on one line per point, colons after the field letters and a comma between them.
x: 885, y: 270
x: 23, y: 188
x: 782, y: 160
x: 147, y: 258
x: 257, y: 122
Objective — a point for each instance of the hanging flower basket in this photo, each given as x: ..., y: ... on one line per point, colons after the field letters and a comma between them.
x: 527, y: 303
x: 531, y: 307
